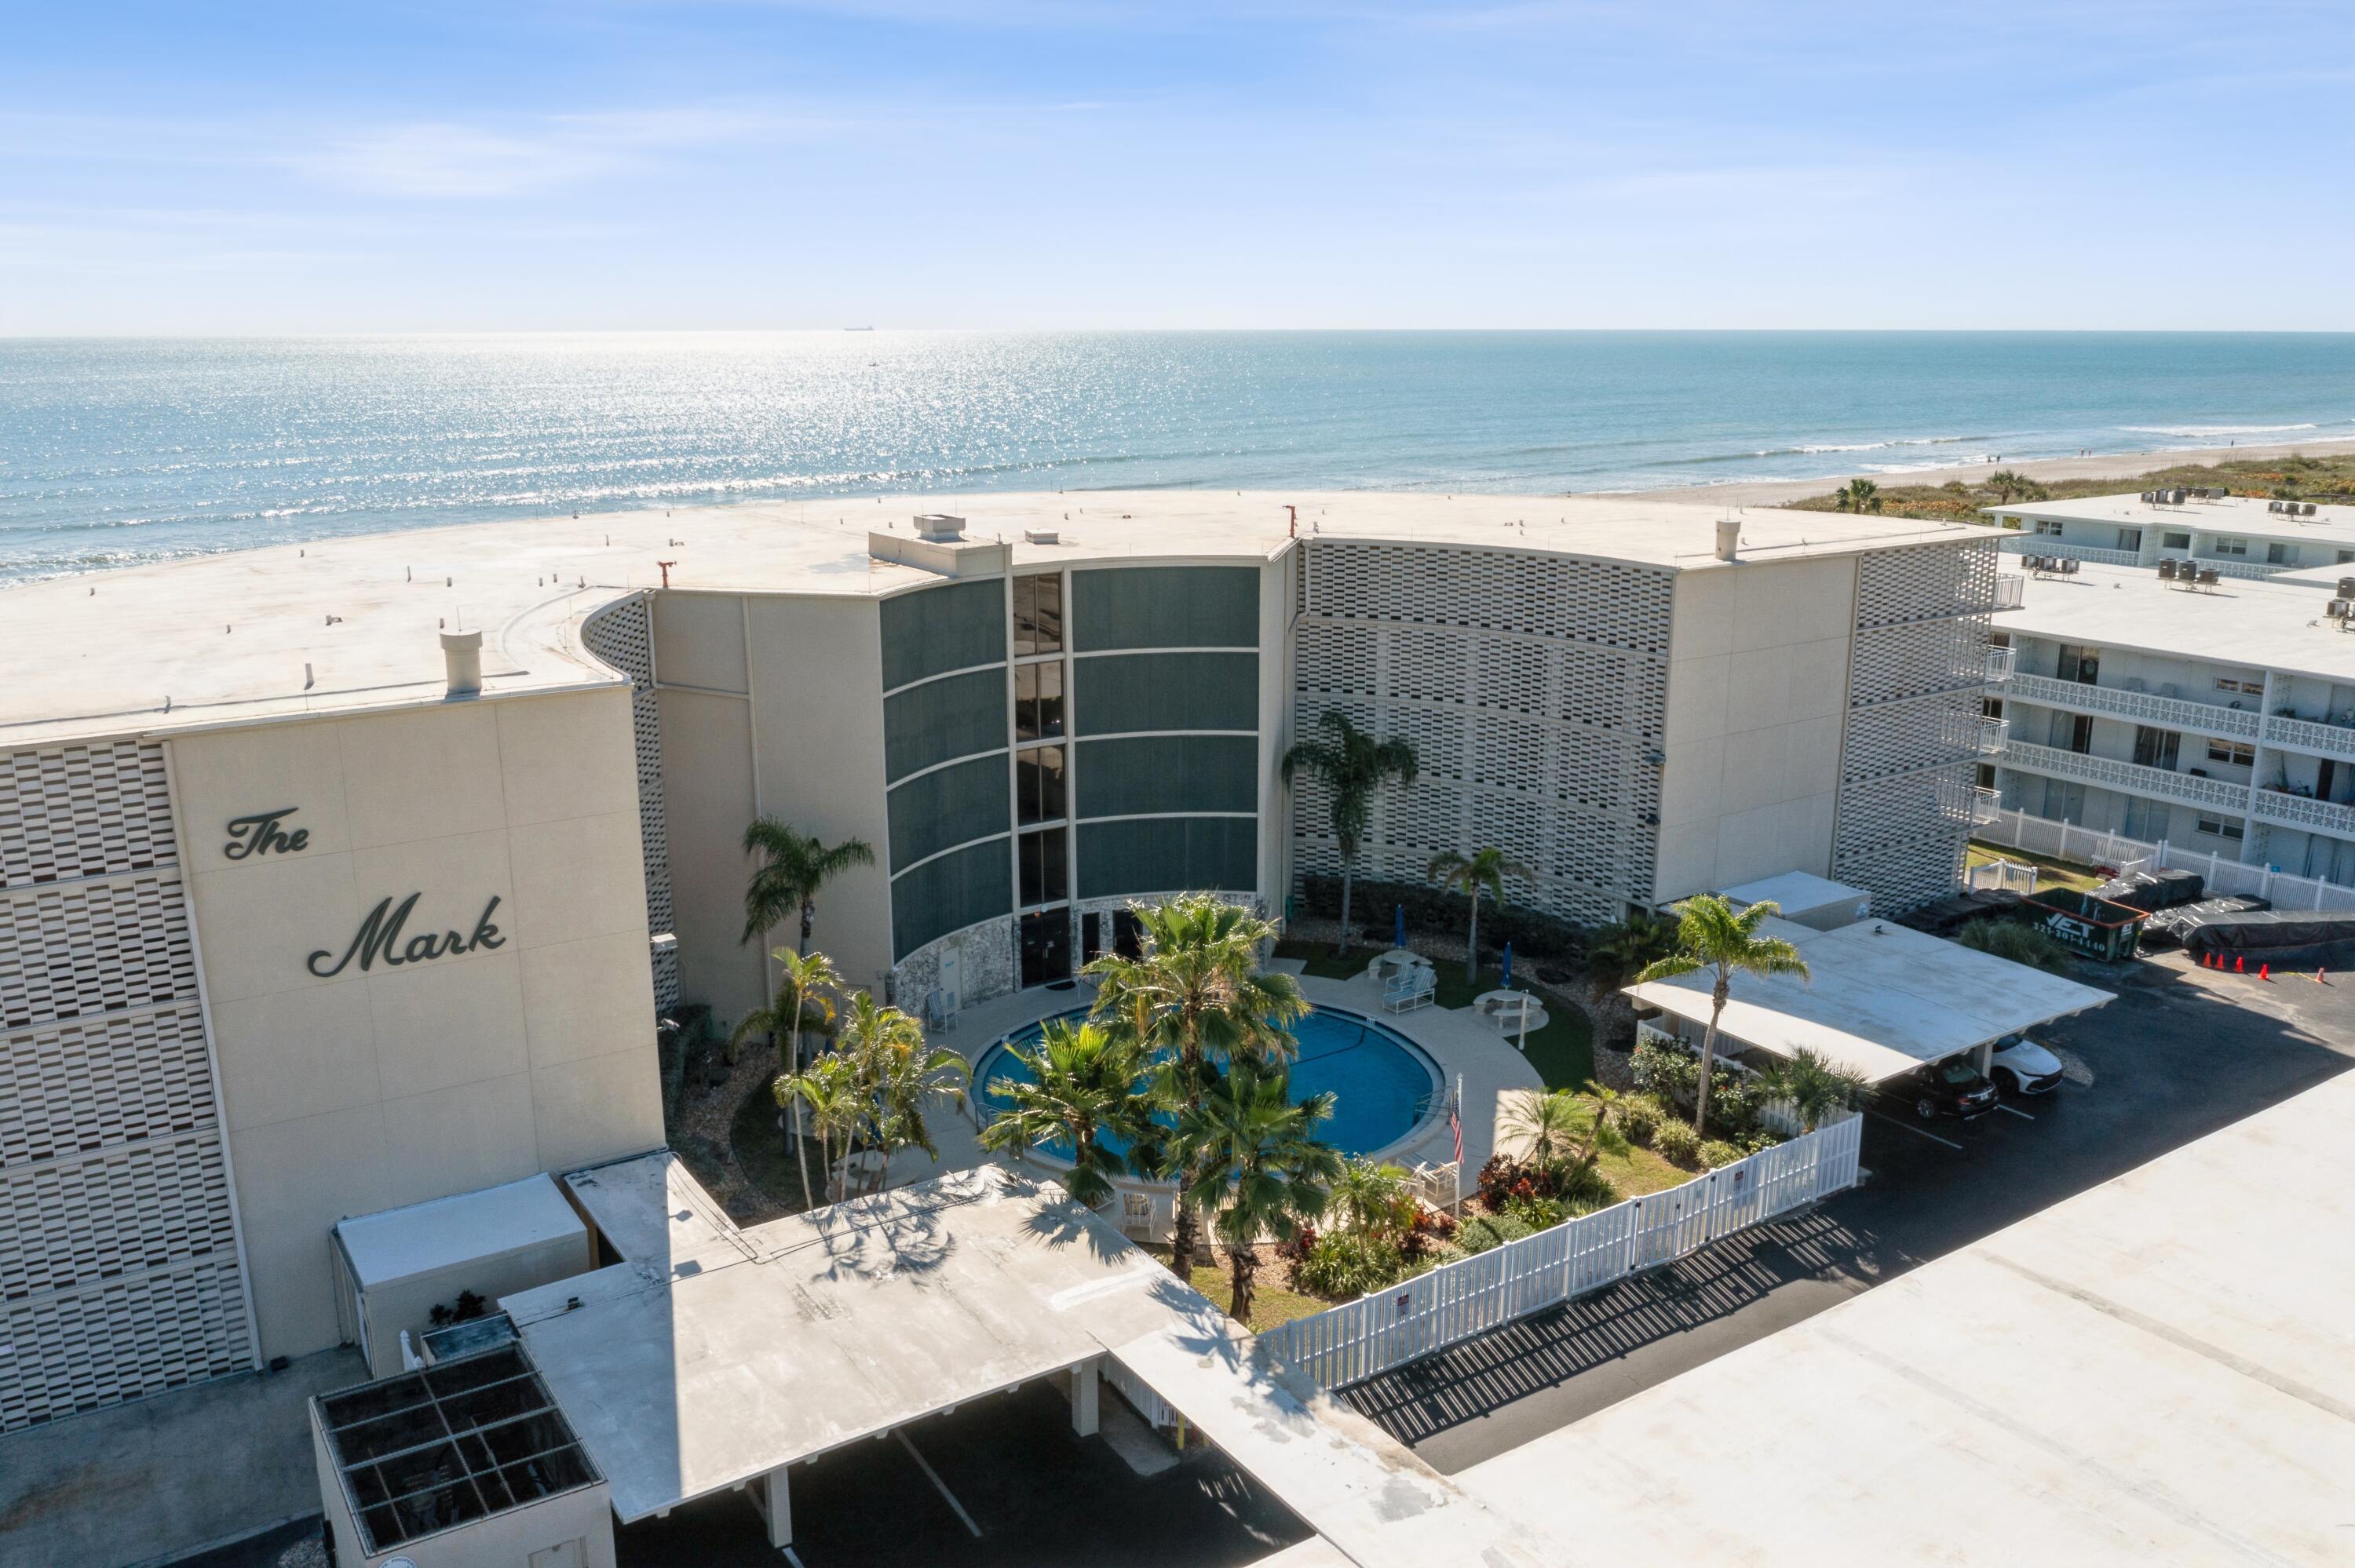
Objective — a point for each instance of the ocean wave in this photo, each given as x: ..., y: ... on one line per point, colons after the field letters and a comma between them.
x: 2218, y: 430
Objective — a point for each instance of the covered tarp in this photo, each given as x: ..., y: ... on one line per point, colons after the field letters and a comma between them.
x: 2154, y: 889
x: 2282, y: 934
x: 2166, y: 928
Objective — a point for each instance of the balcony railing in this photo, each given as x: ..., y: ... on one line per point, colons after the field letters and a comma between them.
x: 2306, y: 734
x: 1973, y: 734
x: 2010, y: 590
x: 2045, y: 545
x: 2142, y: 707
x: 1986, y: 805
x: 2000, y: 663
x: 2299, y: 811
x: 2131, y: 777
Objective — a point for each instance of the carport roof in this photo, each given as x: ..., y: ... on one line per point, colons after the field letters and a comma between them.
x: 686, y: 1375
x: 1879, y: 998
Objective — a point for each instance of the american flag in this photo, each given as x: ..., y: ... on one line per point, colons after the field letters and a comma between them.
x: 1456, y: 1122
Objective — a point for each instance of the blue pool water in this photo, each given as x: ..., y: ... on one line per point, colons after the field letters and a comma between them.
x: 1382, y: 1083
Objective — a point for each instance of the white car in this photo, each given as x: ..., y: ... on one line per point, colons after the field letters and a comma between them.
x: 2021, y: 1066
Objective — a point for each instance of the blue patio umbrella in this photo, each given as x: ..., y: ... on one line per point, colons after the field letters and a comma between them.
x: 1506, y: 982
x: 1398, y: 927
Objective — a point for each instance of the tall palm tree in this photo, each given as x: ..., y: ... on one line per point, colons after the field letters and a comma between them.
x: 1857, y: 496
x: 1351, y: 765
x: 1815, y: 1085
x: 2006, y: 483
x: 1256, y: 1161
x: 793, y: 866
x: 1482, y: 869
x: 1086, y: 1084
x: 1711, y: 935
x: 804, y: 980
x: 1195, y: 994
x: 1564, y: 1128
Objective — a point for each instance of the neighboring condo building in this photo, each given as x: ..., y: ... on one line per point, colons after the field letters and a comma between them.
x: 2218, y: 717
x: 315, y: 911
x: 2236, y: 536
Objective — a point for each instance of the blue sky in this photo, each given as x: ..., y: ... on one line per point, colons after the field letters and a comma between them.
x: 1053, y: 162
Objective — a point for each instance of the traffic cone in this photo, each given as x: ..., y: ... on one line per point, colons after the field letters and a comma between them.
x: 2241, y: 965
x: 2264, y: 971
x: 2317, y: 976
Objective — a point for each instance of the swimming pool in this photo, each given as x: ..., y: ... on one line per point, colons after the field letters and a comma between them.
x: 1383, y: 1085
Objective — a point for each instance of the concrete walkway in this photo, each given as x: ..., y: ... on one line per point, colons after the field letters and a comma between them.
x: 162, y: 1478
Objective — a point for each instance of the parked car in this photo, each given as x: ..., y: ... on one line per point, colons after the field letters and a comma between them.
x: 1951, y: 1087
x: 2021, y: 1066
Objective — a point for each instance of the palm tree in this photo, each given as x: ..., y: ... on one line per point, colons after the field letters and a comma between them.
x: 1255, y: 1158
x: 1563, y: 1127
x: 1085, y: 1085
x: 802, y: 980
x: 1711, y: 935
x: 898, y: 1077
x: 1351, y: 765
x: 2006, y: 483
x: 1486, y: 868
x: 1373, y: 1200
x: 793, y: 866
x: 830, y: 1087
x: 1815, y: 1085
x: 1195, y: 993
x: 1857, y: 496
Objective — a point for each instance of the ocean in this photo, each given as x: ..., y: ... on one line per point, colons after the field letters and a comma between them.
x: 119, y: 451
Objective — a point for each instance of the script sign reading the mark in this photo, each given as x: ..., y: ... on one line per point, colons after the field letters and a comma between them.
x: 379, y: 938
x: 257, y: 833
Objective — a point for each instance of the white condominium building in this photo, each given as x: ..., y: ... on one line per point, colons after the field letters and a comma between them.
x: 344, y: 878
x: 2235, y: 535
x: 2217, y: 716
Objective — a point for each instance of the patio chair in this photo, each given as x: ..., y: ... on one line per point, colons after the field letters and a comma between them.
x: 1411, y: 989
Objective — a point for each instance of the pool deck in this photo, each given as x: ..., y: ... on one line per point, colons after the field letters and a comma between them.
x: 1491, y: 1066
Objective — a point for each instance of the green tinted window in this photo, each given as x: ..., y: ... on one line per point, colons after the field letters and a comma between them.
x: 1168, y: 855
x: 1168, y: 773
x: 939, y: 720
x: 1130, y: 692
x: 1165, y: 606
x: 936, y: 629
x: 950, y: 894
x: 948, y: 807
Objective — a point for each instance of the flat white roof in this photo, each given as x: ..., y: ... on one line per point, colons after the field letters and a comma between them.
x: 249, y: 634
x: 399, y: 1243
x: 2160, y: 1370
x: 1879, y: 998
x: 792, y: 1338
x: 650, y: 1208
x: 2244, y: 516
x: 2250, y: 623
x: 1795, y: 891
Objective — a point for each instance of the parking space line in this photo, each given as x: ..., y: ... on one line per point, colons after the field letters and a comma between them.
x: 1909, y: 1126
x: 934, y: 1477
x: 2020, y: 1114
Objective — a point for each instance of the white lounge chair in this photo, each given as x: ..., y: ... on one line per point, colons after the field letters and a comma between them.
x: 1405, y: 992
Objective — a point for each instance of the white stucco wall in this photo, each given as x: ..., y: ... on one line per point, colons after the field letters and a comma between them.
x: 375, y: 1087
x: 1758, y: 665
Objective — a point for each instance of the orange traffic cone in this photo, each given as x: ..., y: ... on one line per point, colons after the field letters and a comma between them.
x: 2264, y: 971
x: 2241, y: 965
x: 2317, y: 976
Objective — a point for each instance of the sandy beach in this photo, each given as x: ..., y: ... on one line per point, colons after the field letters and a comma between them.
x: 2121, y: 465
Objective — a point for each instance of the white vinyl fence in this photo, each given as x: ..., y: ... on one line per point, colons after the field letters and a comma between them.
x: 1348, y: 1345
x: 2090, y: 846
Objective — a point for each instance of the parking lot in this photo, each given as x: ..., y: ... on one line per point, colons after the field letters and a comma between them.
x: 1003, y: 1481
x: 2180, y: 1052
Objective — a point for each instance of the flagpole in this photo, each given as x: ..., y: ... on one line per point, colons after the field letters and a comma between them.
x: 1458, y: 1120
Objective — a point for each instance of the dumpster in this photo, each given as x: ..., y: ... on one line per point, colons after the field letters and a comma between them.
x: 2092, y: 926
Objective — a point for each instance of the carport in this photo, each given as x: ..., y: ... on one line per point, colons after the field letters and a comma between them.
x: 1878, y: 997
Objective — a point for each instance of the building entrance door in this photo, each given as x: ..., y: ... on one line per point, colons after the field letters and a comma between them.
x: 1046, y: 946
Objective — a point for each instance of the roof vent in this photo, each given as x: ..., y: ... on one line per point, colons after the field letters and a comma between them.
x: 1728, y: 539
x: 939, y: 525
x: 462, y: 655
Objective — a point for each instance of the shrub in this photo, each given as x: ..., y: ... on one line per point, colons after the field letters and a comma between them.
x: 1717, y: 1154
x: 1639, y: 1118
x: 1533, y: 933
x: 1665, y: 1072
x: 1583, y: 1184
x: 1676, y: 1143
x: 1433, y: 1229
x: 1537, y: 1213
x: 1482, y: 1232
x: 1346, y: 1266
x: 2022, y: 944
